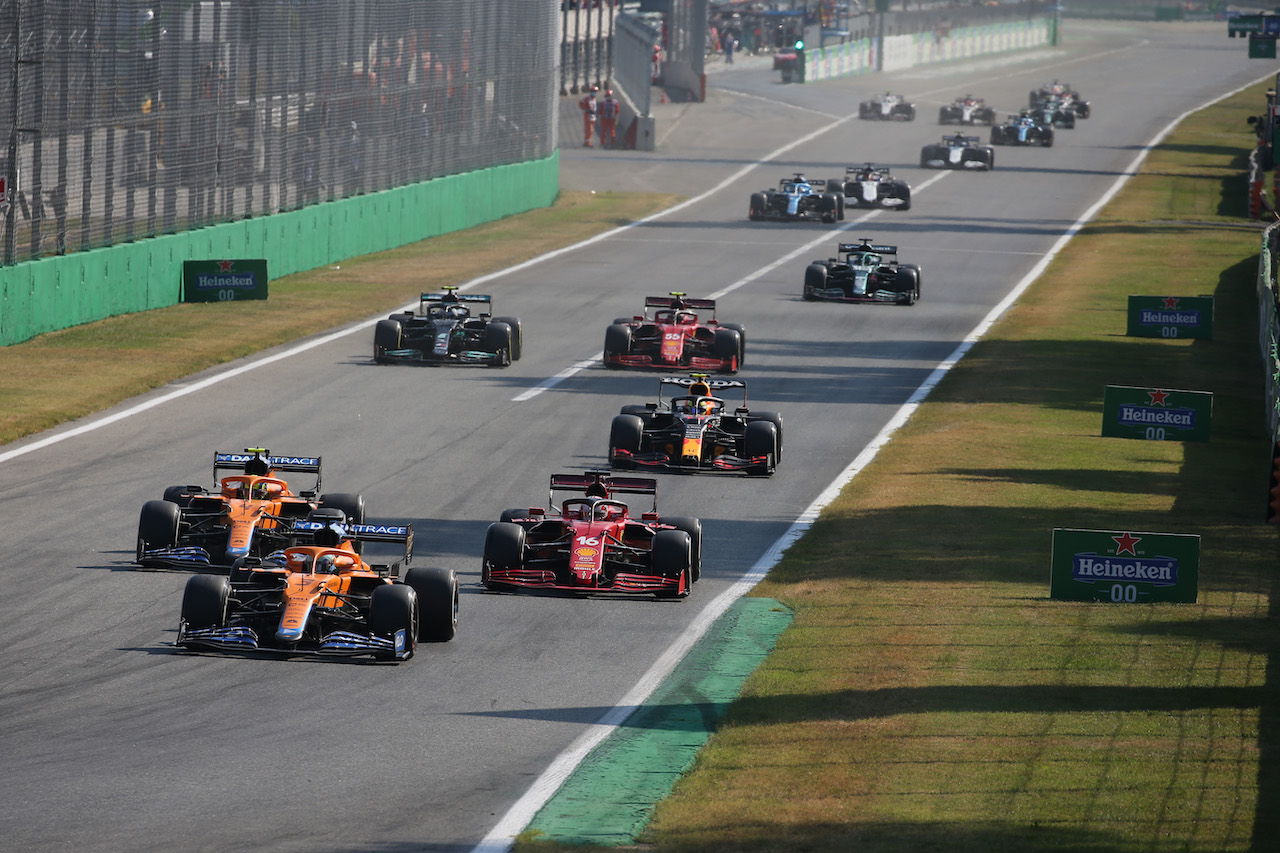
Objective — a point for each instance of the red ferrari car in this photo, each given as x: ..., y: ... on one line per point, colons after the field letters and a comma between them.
x: 593, y: 543
x: 676, y: 336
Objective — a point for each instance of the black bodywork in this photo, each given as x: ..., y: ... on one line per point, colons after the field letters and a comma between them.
x: 796, y: 198
x: 958, y: 152
x: 872, y: 186
x: 865, y: 272
x: 444, y: 331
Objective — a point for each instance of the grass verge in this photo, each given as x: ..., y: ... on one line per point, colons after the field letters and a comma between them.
x: 929, y: 695
x: 71, y: 373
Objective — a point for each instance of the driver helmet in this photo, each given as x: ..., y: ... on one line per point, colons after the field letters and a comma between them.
x: 597, y: 490
x: 258, y: 465
x: 459, y: 312
x: 700, y: 389
x: 329, y: 536
x: 608, y: 93
x: 684, y: 318
x: 707, y: 406
x: 260, y: 491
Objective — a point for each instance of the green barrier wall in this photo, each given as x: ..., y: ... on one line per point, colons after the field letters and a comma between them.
x: 54, y: 293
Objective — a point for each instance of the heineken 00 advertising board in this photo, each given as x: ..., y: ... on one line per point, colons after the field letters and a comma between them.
x: 1155, y: 414
x: 224, y: 281
x: 1124, y: 567
x: 1171, y: 317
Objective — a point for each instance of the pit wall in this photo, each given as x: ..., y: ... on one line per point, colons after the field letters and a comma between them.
x: 67, y: 290
x: 907, y: 51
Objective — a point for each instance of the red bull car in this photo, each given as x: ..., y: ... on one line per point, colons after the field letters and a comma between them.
x: 696, y: 431
x: 320, y: 597
x: 246, y: 514
x: 594, y: 543
x: 676, y: 335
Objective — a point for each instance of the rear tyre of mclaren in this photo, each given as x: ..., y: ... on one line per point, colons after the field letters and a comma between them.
x: 157, y: 526
x: 437, y: 591
x: 352, y: 506
x: 393, y: 607
x: 204, y: 601
x: 671, y: 557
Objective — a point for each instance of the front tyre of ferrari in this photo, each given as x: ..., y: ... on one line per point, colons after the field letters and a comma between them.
x: 625, y: 433
x: 617, y: 342
x: 693, y: 527
x: 761, y: 440
x: 386, y: 336
x: 437, y: 590
x: 671, y: 557
x: 503, y: 549
x: 726, y: 347
x: 815, y: 279
x: 157, y: 526
x: 517, y: 335
x: 393, y: 607
x: 204, y: 601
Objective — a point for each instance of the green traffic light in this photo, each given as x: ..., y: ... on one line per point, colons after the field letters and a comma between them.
x: 799, y: 44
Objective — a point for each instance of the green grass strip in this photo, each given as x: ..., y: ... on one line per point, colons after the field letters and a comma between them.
x: 609, y: 798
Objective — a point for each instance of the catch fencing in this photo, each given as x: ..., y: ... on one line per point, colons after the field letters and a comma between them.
x: 124, y: 119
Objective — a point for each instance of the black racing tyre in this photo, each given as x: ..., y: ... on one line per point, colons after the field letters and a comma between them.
x: 514, y: 513
x: 351, y: 505
x: 621, y: 321
x: 640, y: 410
x: 671, y: 557
x: 617, y: 342
x: 500, y: 338
x: 761, y: 439
x: 827, y: 206
x: 693, y: 527
x: 386, y: 336
x: 204, y: 601
x: 742, y: 340
x: 625, y: 433
x: 1047, y: 140
x: 517, y: 335
x: 835, y: 185
x: 942, y: 115
x: 815, y: 279
x: 756, y: 207
x: 840, y: 206
x: 775, y: 419
x: 157, y: 526
x: 437, y: 591
x: 906, y: 198
x: 727, y: 346
x: 908, y: 285
x: 503, y: 546
x: 181, y: 495
x: 394, y: 607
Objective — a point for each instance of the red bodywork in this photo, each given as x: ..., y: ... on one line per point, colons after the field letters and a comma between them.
x: 590, y: 544
x: 675, y: 336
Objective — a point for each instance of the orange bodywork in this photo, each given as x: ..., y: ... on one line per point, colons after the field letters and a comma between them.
x: 252, y: 503
x: 316, y: 577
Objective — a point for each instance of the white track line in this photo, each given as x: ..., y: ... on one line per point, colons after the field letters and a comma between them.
x: 501, y: 838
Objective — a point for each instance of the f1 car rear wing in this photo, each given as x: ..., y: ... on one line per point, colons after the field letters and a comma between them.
x: 678, y: 300
x: 867, y: 246
x: 237, y: 461
x: 870, y: 167
x: 613, y: 485
x: 967, y: 140
x: 455, y: 297
x: 714, y: 385
x: 306, y: 530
